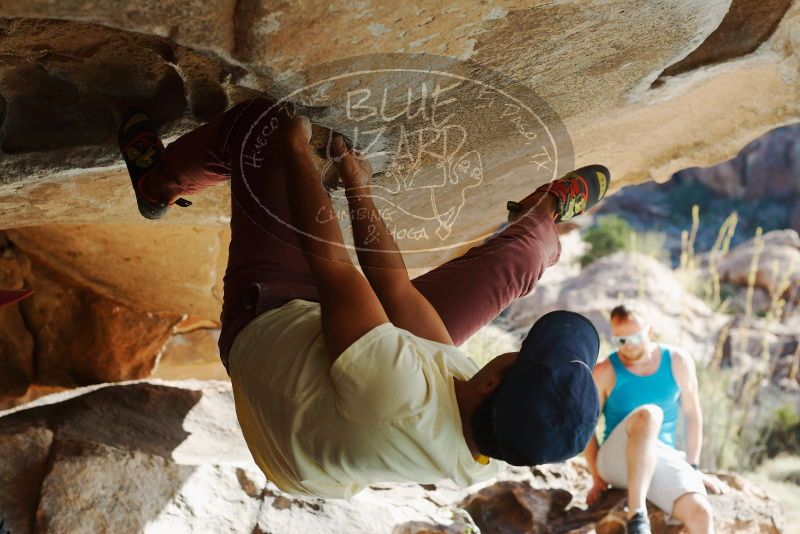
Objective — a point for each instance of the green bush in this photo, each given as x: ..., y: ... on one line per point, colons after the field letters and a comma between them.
x: 609, y: 234
x: 783, y: 435
x: 612, y: 233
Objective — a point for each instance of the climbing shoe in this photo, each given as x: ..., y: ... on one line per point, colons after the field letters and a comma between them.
x: 639, y: 523
x: 575, y: 193
x: 142, y: 150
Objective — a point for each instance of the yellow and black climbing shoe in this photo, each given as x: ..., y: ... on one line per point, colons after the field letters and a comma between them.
x: 575, y: 192
x: 142, y: 150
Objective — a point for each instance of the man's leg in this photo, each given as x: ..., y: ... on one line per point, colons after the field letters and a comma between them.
x: 672, y: 481
x: 678, y: 488
x: 642, y: 426
x: 471, y: 290
x: 694, y: 511
x: 196, y: 160
x: 266, y: 266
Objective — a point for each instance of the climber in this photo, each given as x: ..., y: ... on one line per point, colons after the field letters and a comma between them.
x: 643, y: 388
x: 341, y: 379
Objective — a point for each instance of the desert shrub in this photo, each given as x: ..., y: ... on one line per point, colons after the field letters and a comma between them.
x: 783, y: 434
x: 652, y: 244
x: 612, y: 233
x: 735, y: 422
x: 783, y: 468
x: 739, y: 432
x: 609, y: 234
x: 721, y: 442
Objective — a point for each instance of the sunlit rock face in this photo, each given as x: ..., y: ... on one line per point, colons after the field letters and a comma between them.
x: 647, y: 89
x: 725, y: 71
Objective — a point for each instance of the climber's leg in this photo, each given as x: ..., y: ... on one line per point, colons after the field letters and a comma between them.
x: 471, y: 290
x: 266, y: 264
x: 197, y: 159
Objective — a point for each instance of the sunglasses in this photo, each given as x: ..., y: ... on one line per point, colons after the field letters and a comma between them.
x: 634, y: 339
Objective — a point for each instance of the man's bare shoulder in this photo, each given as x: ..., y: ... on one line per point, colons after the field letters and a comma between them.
x: 680, y: 356
x: 683, y: 365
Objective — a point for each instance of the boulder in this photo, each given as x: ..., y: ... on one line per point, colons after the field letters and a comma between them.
x: 159, y: 456
x: 767, y: 168
x: 776, y: 269
x: 69, y: 333
x: 191, y: 354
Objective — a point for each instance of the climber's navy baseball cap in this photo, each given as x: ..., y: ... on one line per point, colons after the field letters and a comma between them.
x: 10, y: 296
x: 546, y: 408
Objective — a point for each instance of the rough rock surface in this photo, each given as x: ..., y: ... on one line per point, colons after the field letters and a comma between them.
x: 159, y: 456
x: 71, y: 334
x: 776, y: 268
x: 67, y: 66
x: 769, y: 167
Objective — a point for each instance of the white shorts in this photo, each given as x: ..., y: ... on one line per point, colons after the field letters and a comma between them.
x: 673, y: 476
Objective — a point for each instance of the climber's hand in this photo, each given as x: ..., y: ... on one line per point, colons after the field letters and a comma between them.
x: 283, y: 127
x: 354, y: 169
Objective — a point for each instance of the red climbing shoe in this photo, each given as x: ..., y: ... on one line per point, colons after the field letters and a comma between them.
x: 575, y: 193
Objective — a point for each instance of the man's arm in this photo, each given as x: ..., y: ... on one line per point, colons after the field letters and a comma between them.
x: 349, y: 307
x: 604, y: 380
x: 686, y: 376
x: 380, y: 259
x: 683, y: 369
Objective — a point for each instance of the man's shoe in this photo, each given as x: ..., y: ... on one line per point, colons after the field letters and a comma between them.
x: 639, y: 523
x: 575, y: 193
x: 142, y: 151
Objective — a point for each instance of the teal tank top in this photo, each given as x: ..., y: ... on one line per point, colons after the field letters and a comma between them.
x: 631, y: 391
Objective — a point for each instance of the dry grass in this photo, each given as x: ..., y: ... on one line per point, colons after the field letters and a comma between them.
x: 488, y: 342
x: 733, y: 422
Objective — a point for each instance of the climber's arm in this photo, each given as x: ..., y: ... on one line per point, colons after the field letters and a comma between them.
x: 380, y: 259
x: 349, y: 307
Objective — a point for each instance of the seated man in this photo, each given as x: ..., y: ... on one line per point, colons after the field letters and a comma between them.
x: 643, y: 387
x: 342, y: 379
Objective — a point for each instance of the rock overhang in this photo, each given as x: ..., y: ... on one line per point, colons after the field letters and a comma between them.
x: 66, y: 66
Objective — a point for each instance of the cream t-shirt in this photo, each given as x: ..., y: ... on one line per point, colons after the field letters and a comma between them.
x: 386, y: 410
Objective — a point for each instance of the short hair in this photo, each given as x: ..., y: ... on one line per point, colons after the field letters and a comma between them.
x: 627, y: 311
